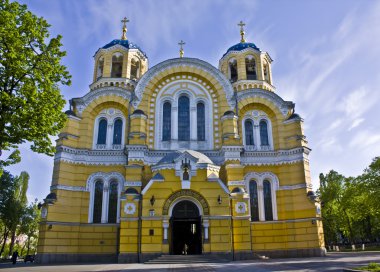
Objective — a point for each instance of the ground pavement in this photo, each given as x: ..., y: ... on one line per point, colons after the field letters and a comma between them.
x: 332, y: 262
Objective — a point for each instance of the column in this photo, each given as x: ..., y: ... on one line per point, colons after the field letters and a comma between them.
x: 193, y: 124
x: 256, y: 136
x: 105, y: 203
x: 206, y: 225
x: 165, y: 225
x: 260, y: 194
x: 109, y: 139
x: 174, y: 124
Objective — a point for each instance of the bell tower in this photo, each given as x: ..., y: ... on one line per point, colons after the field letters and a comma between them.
x: 119, y: 63
x: 246, y: 66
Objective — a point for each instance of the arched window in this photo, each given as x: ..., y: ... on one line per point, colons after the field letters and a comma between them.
x: 117, y: 65
x: 250, y: 67
x: 248, y: 132
x: 102, y: 131
x: 233, y: 70
x: 98, y: 202
x: 266, y: 72
x: 268, y: 201
x: 167, y: 121
x: 99, y: 70
x: 117, y: 131
x: 253, y: 200
x: 201, y: 129
x: 113, y: 199
x: 135, y: 65
x: 184, y: 118
x: 264, y: 133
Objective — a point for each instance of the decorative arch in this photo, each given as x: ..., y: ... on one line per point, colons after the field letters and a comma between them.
x: 186, y: 64
x: 114, y: 94
x: 267, y: 98
x: 186, y: 194
x: 106, y: 177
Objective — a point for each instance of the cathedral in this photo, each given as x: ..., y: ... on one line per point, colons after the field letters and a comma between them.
x: 181, y: 158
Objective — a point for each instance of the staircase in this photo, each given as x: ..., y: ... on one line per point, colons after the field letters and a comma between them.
x: 187, y: 259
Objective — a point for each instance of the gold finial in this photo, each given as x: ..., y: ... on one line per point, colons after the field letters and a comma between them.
x: 124, y: 21
x: 242, y: 32
x: 181, y: 52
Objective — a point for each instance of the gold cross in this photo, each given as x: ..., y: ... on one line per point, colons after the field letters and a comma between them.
x: 181, y: 52
x: 124, y: 21
x: 242, y: 32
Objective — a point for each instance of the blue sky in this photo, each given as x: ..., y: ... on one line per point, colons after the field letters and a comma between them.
x: 326, y: 60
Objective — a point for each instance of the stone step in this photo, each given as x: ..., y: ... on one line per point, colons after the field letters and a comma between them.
x: 185, y: 259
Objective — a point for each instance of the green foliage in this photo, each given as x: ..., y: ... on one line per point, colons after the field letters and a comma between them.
x: 31, y: 74
x: 375, y: 267
x: 17, y: 218
x: 350, y: 206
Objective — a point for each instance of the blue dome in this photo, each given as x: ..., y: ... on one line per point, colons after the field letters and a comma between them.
x: 242, y: 46
x: 124, y: 43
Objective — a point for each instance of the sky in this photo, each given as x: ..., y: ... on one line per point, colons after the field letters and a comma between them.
x: 326, y: 59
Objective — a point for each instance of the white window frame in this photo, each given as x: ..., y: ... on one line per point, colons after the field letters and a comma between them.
x: 171, y: 94
x: 111, y: 115
x: 259, y: 178
x: 256, y: 117
x: 107, y: 178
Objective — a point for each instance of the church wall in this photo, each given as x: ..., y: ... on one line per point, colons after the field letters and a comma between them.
x: 288, y: 238
x: 67, y: 242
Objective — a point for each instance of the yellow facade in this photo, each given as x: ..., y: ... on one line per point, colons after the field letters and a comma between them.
x: 181, y: 158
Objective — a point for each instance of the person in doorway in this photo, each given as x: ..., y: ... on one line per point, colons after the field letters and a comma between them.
x: 14, y: 257
x: 185, y: 248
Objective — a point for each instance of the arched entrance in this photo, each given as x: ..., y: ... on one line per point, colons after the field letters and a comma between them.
x: 186, y: 230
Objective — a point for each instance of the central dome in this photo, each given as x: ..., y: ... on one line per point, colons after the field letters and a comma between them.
x: 125, y: 43
x: 241, y: 46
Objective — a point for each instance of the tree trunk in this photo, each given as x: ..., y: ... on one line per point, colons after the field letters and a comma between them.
x: 28, y: 246
x: 349, y: 227
x: 12, y: 242
x: 5, y: 237
x: 22, y: 250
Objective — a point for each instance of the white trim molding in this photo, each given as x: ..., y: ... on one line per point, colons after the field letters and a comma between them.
x: 260, y: 178
x: 68, y: 188
x: 90, y: 157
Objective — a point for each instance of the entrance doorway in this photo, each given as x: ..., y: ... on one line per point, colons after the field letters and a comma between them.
x: 186, y: 231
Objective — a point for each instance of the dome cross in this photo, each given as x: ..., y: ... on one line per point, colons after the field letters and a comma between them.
x: 124, y: 21
x: 242, y: 32
x: 181, y: 52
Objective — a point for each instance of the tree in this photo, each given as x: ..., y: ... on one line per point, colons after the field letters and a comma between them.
x: 31, y: 74
x: 29, y: 224
x: 13, y: 205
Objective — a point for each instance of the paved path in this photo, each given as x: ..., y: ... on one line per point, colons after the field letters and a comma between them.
x: 333, y: 262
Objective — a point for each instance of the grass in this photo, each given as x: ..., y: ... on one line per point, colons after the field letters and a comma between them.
x: 373, y: 267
